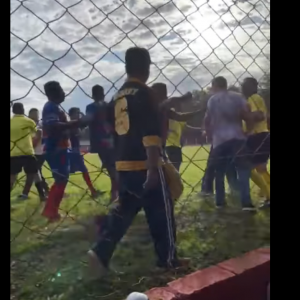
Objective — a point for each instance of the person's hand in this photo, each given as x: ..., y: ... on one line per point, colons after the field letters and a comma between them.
x: 84, y: 120
x: 152, y: 179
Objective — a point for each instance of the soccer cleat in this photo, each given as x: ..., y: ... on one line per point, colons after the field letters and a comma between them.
x: 181, y: 263
x: 221, y: 206
x: 23, y: 197
x: 96, y: 268
x: 249, y: 208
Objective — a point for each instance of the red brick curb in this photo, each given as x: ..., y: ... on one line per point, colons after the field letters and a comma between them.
x: 242, y: 278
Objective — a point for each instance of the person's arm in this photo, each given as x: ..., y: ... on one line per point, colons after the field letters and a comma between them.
x: 246, y: 115
x: 168, y: 103
x: 148, y: 114
x: 37, y: 138
x: 207, y: 126
x: 257, y: 108
x: 258, y: 116
x: 182, y: 117
x: 52, y: 122
x: 207, y: 121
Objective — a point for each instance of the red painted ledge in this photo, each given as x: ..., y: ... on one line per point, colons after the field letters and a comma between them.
x: 242, y: 278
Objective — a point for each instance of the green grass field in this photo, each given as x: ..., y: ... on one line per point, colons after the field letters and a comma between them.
x: 49, y: 262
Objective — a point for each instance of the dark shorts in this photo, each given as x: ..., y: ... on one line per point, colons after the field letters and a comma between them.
x: 259, y: 146
x: 77, y: 163
x: 28, y: 163
x: 174, y: 154
x: 107, y: 157
x: 40, y: 160
x: 59, y: 163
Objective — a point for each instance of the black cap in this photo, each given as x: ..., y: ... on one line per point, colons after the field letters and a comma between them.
x: 137, y: 56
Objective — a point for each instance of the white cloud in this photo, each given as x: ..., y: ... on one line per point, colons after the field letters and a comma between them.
x: 82, y: 43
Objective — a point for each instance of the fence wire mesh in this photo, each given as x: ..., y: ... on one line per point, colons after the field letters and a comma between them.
x: 82, y: 43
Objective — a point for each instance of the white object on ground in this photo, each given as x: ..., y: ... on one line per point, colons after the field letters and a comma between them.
x: 137, y: 296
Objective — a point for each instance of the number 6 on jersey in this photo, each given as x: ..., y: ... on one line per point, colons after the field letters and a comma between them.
x: 121, y: 116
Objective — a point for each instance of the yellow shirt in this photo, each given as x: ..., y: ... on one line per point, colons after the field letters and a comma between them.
x: 174, y: 133
x: 257, y: 103
x: 21, y: 130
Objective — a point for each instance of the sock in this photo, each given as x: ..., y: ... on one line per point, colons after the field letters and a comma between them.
x: 49, y: 209
x: 88, y: 181
x: 60, y: 190
x: 40, y: 189
x: 260, y: 182
x: 55, y: 196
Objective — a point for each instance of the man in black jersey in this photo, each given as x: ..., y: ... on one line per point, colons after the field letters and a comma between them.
x: 142, y: 185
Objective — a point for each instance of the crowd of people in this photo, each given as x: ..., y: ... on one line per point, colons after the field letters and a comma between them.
x: 137, y: 136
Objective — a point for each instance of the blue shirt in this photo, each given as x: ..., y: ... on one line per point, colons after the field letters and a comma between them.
x: 99, y: 129
x: 54, y: 139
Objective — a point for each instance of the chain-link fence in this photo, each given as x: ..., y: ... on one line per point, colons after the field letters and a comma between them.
x: 82, y: 43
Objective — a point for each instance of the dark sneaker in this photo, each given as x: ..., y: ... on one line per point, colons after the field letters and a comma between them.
x: 250, y: 208
x: 23, y: 197
x: 206, y: 194
x: 265, y: 205
x: 221, y: 206
x: 177, y: 264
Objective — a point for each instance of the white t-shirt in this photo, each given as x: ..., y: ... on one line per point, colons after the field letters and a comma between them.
x: 38, y: 150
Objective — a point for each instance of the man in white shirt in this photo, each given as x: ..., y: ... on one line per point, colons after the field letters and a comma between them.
x: 223, y: 123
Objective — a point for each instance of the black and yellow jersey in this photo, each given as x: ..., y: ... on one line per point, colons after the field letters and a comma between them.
x: 135, y: 118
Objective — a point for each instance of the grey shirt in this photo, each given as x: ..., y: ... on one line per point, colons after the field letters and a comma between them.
x: 224, y: 111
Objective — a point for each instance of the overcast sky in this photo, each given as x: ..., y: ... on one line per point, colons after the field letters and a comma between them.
x: 82, y: 43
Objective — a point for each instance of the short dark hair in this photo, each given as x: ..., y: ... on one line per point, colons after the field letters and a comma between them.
x: 18, y: 108
x: 51, y: 88
x: 73, y: 110
x: 251, y: 80
x: 97, y: 89
x: 137, y: 60
x: 162, y: 87
x: 33, y: 110
x: 220, y: 82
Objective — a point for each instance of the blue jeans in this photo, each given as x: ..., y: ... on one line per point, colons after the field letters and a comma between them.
x: 229, y: 156
x: 210, y: 174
